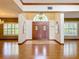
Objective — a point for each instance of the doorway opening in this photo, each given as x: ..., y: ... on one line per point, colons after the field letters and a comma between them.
x: 40, y: 27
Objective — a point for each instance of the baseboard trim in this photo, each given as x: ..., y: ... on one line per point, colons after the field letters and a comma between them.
x: 59, y: 42
x: 31, y: 40
x: 24, y: 41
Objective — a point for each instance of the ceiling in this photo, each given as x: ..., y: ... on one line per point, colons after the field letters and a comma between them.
x: 50, y: 1
x: 8, y: 8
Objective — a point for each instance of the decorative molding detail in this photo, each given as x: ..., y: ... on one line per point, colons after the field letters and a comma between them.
x: 48, y: 3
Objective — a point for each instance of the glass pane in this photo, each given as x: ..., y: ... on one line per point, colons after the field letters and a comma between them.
x: 5, y: 33
x: 16, y: 32
x: 9, y: 32
x: 9, y: 29
x: 13, y: 30
x: 16, y: 25
x: 70, y: 29
x: 40, y: 17
x: 13, y: 33
x: 13, y: 25
x: 9, y: 25
x: 5, y: 29
x: 5, y: 25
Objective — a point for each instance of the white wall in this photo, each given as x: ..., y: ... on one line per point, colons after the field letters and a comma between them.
x: 25, y: 28
x: 52, y: 29
x: 21, y: 20
x: 60, y: 33
x: 62, y: 27
x: 28, y: 29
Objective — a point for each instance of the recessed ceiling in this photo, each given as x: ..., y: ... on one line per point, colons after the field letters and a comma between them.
x: 8, y: 8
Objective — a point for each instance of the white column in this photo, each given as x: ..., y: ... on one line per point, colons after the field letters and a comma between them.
x: 25, y: 28
x: 21, y: 36
x: 52, y: 30
x: 62, y: 28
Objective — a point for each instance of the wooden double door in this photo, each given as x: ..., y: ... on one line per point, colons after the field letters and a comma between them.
x: 40, y: 30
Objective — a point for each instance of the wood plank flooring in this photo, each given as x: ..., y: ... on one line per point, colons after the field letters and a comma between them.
x: 41, y: 50
x: 71, y: 49
x: 9, y: 49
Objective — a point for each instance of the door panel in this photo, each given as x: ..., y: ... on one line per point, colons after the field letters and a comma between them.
x: 40, y: 30
x: 44, y: 28
x: 36, y: 28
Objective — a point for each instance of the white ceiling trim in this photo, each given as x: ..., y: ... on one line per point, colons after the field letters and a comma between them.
x: 50, y: 1
x: 59, y: 8
x: 18, y: 2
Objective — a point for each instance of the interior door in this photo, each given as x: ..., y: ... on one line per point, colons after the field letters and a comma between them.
x: 40, y: 30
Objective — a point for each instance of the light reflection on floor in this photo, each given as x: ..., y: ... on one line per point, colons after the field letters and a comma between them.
x: 41, y: 50
x: 39, y: 55
x: 10, y: 49
x: 69, y: 49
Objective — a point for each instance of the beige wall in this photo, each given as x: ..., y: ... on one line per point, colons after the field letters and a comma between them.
x: 51, y: 16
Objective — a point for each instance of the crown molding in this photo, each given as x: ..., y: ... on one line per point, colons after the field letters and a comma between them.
x: 48, y: 3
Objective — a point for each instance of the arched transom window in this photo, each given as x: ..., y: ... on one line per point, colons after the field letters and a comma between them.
x: 40, y: 17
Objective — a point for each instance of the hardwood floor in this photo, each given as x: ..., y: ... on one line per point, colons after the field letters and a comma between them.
x: 9, y: 49
x: 71, y: 49
x: 41, y: 50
